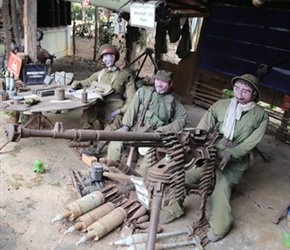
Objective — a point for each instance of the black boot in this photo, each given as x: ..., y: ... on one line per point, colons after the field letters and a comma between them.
x: 91, y: 151
x: 95, y: 150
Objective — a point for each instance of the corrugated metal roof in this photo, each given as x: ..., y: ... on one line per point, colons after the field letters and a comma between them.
x: 201, y: 7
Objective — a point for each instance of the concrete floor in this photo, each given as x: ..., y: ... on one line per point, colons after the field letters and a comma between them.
x: 28, y: 201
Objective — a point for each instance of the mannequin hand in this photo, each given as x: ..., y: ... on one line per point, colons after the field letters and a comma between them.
x: 123, y: 129
x: 113, y: 115
x: 225, y: 156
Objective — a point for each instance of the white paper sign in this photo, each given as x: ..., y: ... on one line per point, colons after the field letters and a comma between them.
x: 141, y: 191
x: 142, y: 15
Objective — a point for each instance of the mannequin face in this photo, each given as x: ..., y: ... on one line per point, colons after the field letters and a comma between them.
x: 244, y: 93
x: 161, y: 86
x: 109, y: 60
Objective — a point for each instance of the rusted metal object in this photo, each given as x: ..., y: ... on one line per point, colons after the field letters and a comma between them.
x: 86, y: 203
x: 201, y: 225
x: 142, y: 237
x: 75, y: 182
x: 164, y: 246
x: 124, y: 168
x: 90, y: 217
x: 109, y: 222
x: 190, y: 138
x: 15, y: 132
x: 165, y: 179
x: 140, y: 212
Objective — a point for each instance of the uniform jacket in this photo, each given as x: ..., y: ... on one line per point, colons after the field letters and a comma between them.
x: 164, y: 113
x: 249, y: 130
x: 120, y: 80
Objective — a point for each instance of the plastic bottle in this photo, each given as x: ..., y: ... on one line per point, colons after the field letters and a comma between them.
x: 7, y: 80
x: 12, y: 82
x: 84, y: 96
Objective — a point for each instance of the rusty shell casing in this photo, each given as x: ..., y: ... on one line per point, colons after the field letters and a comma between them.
x: 94, y: 215
x: 85, y: 204
x: 143, y: 218
x: 140, y: 212
x: 108, y: 223
x: 126, y: 169
x: 143, y: 225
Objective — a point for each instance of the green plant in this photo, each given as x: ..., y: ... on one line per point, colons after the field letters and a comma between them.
x: 142, y: 41
x: 2, y: 72
x: 10, y: 113
x: 227, y: 93
x: 106, y: 34
x: 286, y: 239
x: 39, y: 166
x: 84, y: 30
x: 272, y: 106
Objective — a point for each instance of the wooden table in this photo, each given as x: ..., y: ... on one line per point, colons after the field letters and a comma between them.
x: 47, y: 104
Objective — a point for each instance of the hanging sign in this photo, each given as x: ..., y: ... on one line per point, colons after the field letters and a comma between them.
x: 14, y: 65
x: 143, y: 194
x: 142, y: 15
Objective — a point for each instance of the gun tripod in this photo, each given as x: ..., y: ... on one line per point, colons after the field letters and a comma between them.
x: 146, y: 53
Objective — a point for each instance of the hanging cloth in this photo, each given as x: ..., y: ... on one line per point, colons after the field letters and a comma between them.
x: 184, y: 46
x: 173, y: 29
x: 160, y: 38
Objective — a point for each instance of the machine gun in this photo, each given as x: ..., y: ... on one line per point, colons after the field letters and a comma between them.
x: 170, y: 155
x: 190, y: 137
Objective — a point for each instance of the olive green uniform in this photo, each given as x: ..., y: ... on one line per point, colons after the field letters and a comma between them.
x: 248, y: 132
x: 164, y: 113
x: 124, y: 89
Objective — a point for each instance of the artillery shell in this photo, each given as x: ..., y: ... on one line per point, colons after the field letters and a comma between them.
x: 143, y: 225
x: 140, y: 212
x: 85, y: 204
x: 107, y: 223
x: 158, y: 230
x: 94, y: 215
x: 143, y: 218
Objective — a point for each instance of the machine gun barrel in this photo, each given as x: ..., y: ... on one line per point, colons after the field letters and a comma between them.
x: 15, y: 132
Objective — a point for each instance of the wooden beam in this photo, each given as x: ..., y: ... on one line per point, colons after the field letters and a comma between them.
x: 30, y: 27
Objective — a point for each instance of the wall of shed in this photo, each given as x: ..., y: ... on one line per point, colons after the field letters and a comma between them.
x: 183, y: 75
x: 57, y: 40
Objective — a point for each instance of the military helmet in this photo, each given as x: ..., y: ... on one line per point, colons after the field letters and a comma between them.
x: 163, y: 75
x: 109, y: 49
x: 252, y: 80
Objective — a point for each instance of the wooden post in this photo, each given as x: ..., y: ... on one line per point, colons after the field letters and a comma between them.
x: 30, y: 27
x: 6, y: 21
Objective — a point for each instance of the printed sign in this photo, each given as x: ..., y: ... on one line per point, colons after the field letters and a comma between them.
x: 34, y: 73
x: 141, y: 191
x: 14, y: 65
x: 142, y: 15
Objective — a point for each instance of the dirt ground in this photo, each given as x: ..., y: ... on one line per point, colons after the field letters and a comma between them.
x: 29, y: 201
